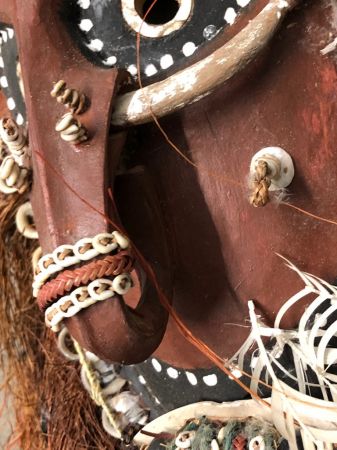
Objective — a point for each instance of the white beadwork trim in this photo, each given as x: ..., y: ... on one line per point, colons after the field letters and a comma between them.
x: 23, y: 224
x: 70, y: 129
x: 16, y: 139
x: 121, y: 284
x: 98, y: 246
x: 37, y: 253
x: 93, y: 294
x: 13, y: 177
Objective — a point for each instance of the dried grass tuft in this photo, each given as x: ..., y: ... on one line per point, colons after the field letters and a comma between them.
x: 52, y: 409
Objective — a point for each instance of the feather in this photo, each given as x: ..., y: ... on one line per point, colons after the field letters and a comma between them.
x: 296, y: 412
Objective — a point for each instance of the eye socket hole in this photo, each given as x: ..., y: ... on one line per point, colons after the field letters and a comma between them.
x: 164, y: 18
x: 162, y: 12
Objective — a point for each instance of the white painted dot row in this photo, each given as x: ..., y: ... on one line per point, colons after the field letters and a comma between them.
x: 4, y: 36
x: 166, y: 61
x: 209, y: 380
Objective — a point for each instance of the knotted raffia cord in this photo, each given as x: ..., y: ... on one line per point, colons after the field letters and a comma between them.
x: 96, y: 390
x: 260, y: 185
x: 39, y: 381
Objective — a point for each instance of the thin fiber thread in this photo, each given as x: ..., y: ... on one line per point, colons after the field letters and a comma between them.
x: 95, y: 388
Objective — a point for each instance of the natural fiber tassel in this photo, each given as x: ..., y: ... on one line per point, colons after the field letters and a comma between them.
x: 271, y: 169
x: 260, y: 185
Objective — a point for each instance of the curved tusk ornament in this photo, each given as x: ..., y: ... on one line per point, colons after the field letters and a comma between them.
x: 200, y: 79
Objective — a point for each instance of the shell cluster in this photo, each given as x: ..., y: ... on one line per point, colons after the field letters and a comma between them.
x: 25, y: 221
x: 71, y: 130
x: 71, y: 98
x: 85, y: 296
x: 84, y: 250
x: 15, y: 157
x: 99, y: 289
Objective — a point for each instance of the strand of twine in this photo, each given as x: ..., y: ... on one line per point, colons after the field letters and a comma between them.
x: 260, y: 185
x: 95, y: 388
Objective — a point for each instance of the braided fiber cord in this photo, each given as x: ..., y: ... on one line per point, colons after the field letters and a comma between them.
x: 260, y: 185
x: 96, y: 391
x: 239, y: 443
x: 111, y: 265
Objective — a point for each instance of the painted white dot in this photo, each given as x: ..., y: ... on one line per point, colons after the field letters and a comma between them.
x: 132, y: 69
x: 141, y: 379
x: 11, y: 103
x: 1, y: 62
x: 283, y: 4
x: 150, y: 70
x: 189, y: 48
x: 83, y: 3
x: 230, y: 16
x: 10, y: 32
x: 110, y: 61
x: 236, y: 373
x: 156, y: 365
x: 210, y: 380
x: 95, y: 45
x: 172, y: 373
x: 3, y: 81
x: 19, y: 119
x: 4, y: 35
x: 166, y: 61
x: 192, y: 378
x: 242, y: 2
x: 86, y: 25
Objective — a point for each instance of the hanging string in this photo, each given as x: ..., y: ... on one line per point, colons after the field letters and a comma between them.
x: 95, y: 388
x: 309, y: 214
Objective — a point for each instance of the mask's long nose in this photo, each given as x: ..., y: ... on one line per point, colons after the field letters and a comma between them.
x: 124, y: 335
x: 70, y: 188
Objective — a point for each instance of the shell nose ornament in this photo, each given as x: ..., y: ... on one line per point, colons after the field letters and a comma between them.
x: 271, y: 169
x: 71, y: 98
x: 71, y: 129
